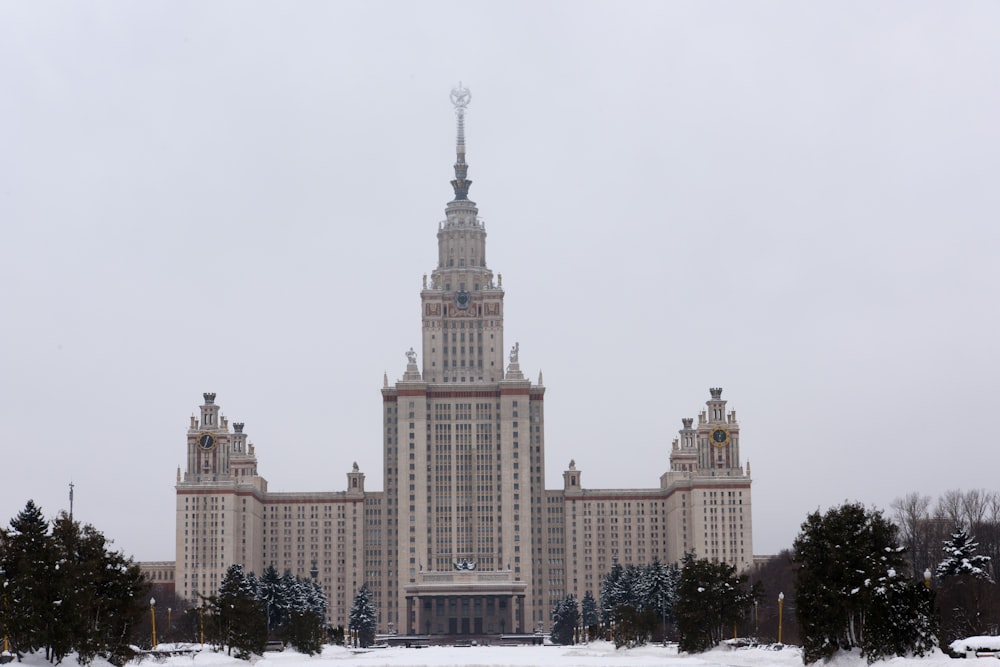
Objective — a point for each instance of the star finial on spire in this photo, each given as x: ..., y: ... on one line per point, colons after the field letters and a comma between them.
x: 460, y: 98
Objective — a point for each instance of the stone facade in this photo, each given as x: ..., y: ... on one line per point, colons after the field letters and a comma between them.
x: 464, y: 540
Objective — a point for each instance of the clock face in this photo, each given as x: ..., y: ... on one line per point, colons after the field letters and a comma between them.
x: 206, y: 441
x: 462, y: 299
x: 720, y: 437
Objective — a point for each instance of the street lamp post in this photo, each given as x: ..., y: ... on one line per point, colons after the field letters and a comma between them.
x: 152, y: 616
x: 756, y: 619
x: 781, y: 602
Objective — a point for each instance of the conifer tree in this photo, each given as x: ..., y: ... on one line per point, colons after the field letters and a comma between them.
x: 363, y: 617
x: 67, y: 591
x: 901, y: 619
x: 239, y: 615
x: 848, y: 589
x: 269, y: 593
x: 711, y: 597
x: 591, y: 617
x: 27, y: 564
x: 967, y: 593
x: 565, y: 619
x: 961, y: 558
x: 611, y: 592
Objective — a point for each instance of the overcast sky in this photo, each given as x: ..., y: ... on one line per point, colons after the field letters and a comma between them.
x: 797, y: 202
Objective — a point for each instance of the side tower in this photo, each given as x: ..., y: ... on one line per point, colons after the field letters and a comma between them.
x: 463, y: 448
x: 219, y: 504
x: 709, y: 509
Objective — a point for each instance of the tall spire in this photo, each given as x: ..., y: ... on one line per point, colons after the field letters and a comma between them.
x: 460, y: 98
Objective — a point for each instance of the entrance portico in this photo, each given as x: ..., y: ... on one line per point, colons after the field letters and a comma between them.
x: 465, y: 604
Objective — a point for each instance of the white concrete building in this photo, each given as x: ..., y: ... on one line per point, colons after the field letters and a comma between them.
x: 464, y: 540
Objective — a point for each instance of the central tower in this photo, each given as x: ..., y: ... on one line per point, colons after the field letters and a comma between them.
x: 464, y: 449
x: 462, y: 307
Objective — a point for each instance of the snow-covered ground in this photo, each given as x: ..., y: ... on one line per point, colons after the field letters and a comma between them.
x: 597, y: 654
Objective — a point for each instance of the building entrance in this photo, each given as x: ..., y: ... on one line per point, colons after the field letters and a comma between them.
x: 466, y: 607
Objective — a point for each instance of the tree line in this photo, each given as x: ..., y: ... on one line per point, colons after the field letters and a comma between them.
x: 65, y: 590
x: 248, y: 610
x: 969, y: 601
x: 700, y: 599
x: 850, y: 582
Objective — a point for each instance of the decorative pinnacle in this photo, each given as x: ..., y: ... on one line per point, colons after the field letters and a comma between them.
x: 460, y: 98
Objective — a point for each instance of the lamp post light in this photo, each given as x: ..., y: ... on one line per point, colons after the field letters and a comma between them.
x: 781, y: 602
x: 168, y: 619
x: 152, y: 616
x: 6, y: 639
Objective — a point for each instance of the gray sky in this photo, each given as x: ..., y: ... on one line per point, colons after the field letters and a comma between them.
x: 794, y: 201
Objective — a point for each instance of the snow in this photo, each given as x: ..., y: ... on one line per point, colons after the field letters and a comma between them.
x: 596, y: 654
x: 988, y: 643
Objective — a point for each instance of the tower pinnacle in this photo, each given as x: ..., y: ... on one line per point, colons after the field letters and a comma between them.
x: 460, y: 98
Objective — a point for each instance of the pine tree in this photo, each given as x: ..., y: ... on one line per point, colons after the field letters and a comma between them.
x: 637, y: 599
x: 240, y: 617
x: 270, y: 595
x: 848, y: 593
x: 967, y: 591
x: 27, y: 564
x: 89, y: 597
x: 658, y: 591
x: 565, y: 619
x: 611, y: 592
x: 901, y: 619
x: 363, y: 617
x: 303, y: 628
x: 961, y: 558
x: 711, y: 597
x: 591, y: 617
x: 287, y: 595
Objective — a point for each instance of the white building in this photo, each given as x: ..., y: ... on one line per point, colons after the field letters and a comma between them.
x: 464, y: 539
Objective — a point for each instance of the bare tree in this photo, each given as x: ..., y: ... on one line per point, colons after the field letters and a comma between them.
x: 949, y: 507
x: 911, y: 515
x: 974, y: 506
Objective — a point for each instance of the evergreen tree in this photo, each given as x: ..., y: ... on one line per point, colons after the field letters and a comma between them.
x: 711, y: 597
x: 287, y: 594
x: 28, y: 566
x: 363, y: 617
x: 591, y: 616
x: 303, y: 627
x: 637, y: 599
x: 565, y: 619
x: 239, y: 615
x: 304, y: 631
x: 961, y: 558
x: 900, y: 621
x: 611, y: 592
x: 75, y: 593
x: 967, y: 592
x: 269, y: 593
x: 658, y: 591
x: 847, y: 578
